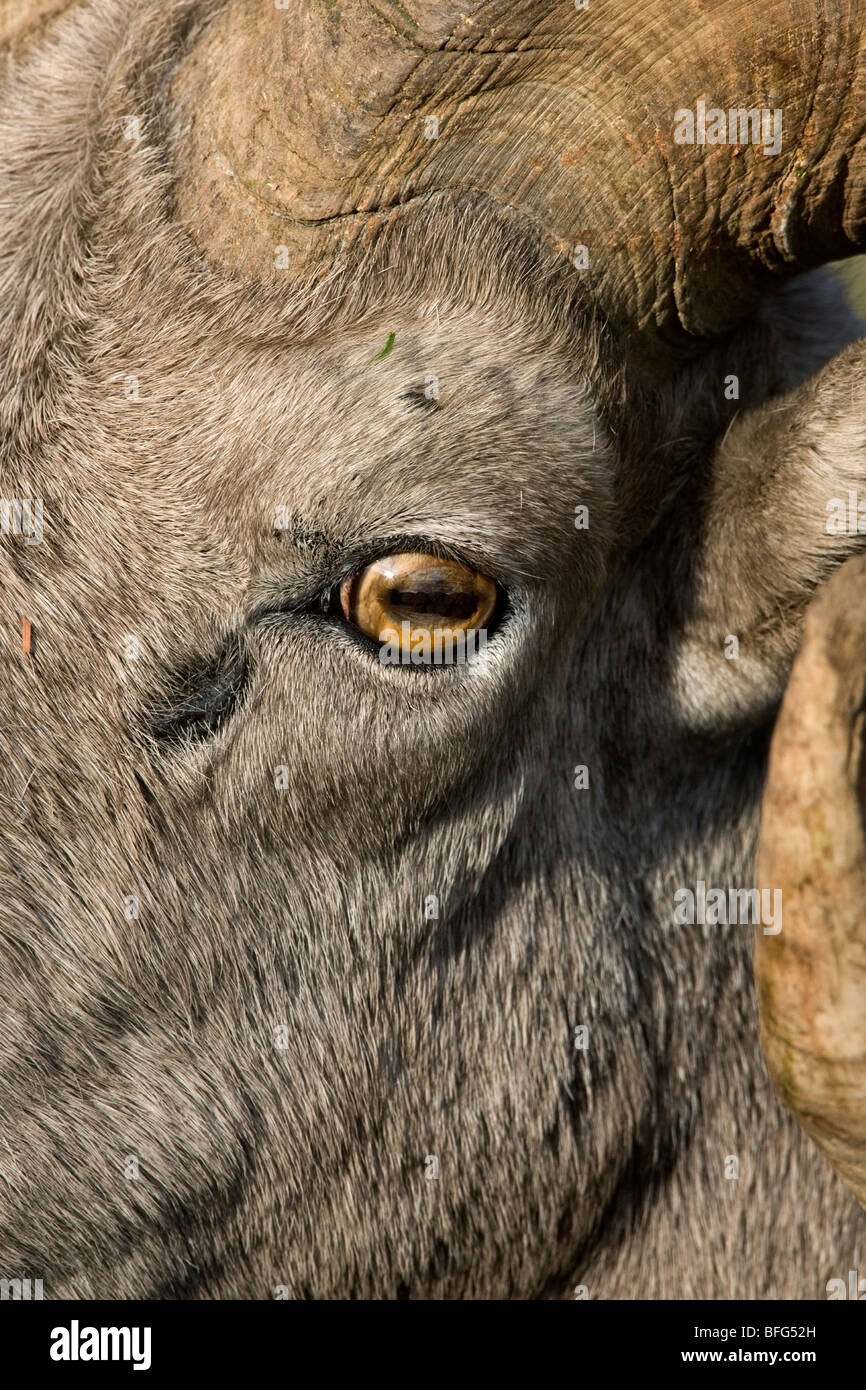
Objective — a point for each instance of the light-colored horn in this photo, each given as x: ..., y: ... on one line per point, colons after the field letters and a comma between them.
x: 811, y: 974
x: 316, y: 125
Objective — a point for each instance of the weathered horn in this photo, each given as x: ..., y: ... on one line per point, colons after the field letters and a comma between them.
x: 811, y: 970
x: 307, y: 126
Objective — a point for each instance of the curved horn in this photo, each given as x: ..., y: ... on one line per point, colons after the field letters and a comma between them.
x: 811, y: 968
x: 308, y: 127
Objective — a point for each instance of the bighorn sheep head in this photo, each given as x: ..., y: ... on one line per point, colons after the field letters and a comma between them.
x: 479, y: 310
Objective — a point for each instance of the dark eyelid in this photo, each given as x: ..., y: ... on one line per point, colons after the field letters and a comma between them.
x: 312, y: 601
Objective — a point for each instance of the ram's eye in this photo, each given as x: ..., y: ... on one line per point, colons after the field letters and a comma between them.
x: 421, y: 603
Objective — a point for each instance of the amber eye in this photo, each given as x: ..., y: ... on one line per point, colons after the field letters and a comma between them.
x: 426, y: 608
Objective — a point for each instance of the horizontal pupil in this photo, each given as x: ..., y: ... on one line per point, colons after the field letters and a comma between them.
x: 443, y: 603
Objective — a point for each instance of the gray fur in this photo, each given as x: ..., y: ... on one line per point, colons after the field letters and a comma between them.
x: 304, y: 1166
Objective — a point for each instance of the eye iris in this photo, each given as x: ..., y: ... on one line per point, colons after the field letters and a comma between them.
x: 431, y: 594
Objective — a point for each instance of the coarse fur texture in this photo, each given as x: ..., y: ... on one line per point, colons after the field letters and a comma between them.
x: 165, y: 413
